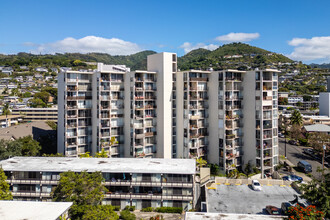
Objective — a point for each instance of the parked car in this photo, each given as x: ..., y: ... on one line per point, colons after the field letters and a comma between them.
x: 256, y: 185
x: 272, y: 210
x: 281, y: 135
x: 285, y: 207
x: 308, y: 151
x: 304, y: 166
x: 292, y: 142
x: 294, y: 178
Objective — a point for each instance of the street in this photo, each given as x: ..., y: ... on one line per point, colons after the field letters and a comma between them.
x: 295, y: 153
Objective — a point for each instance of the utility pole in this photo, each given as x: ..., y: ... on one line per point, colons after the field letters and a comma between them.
x: 323, y: 156
x: 285, y: 143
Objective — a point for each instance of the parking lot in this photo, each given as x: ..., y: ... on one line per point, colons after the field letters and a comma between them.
x: 243, y: 200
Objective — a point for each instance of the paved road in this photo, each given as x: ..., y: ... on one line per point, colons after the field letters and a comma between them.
x: 294, y: 154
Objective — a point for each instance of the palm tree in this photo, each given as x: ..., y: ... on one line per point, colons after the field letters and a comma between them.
x: 296, y: 118
x: 201, y: 162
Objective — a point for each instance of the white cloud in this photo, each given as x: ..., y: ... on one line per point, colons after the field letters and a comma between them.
x: 311, y: 49
x: 113, y: 46
x: 238, y: 37
x: 189, y: 47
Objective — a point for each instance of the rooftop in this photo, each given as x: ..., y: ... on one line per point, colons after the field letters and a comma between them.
x: 317, y: 128
x: 227, y: 216
x: 35, y: 129
x: 19, y: 210
x: 224, y: 198
x: 110, y: 165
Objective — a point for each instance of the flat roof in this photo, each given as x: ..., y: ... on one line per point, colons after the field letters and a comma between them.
x: 227, y: 216
x: 317, y: 128
x: 108, y: 165
x: 242, y: 199
x: 19, y: 210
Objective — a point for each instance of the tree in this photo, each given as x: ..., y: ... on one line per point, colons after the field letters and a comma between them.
x: 37, y: 103
x: 6, y: 111
x: 29, y: 146
x: 318, y: 139
x: 127, y: 215
x: 5, y: 194
x: 83, y: 189
x: 295, y: 132
x: 296, y: 118
x: 201, y: 162
x: 282, y: 101
x: 100, y: 212
x: 10, y: 149
x: 44, y: 96
x: 317, y: 192
x: 80, y: 188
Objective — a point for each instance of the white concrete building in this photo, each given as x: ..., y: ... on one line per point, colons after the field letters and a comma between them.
x: 92, y: 106
x: 227, y: 117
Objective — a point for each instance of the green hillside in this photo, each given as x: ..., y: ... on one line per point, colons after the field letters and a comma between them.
x: 134, y: 61
x: 251, y: 57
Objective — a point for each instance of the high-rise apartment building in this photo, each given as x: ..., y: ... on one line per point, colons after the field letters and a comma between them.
x: 112, y: 101
x: 228, y: 117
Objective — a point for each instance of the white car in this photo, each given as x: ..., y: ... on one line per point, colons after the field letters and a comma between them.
x: 256, y: 185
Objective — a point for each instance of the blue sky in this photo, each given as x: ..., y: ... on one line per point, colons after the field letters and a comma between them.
x: 299, y: 29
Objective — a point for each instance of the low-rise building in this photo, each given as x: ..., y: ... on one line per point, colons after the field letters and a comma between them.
x: 35, y: 129
x: 17, y: 210
x: 130, y: 181
x: 37, y: 114
x: 9, y: 120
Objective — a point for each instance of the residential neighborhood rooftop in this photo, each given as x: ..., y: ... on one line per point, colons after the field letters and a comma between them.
x: 35, y: 129
x: 317, y: 128
x: 111, y: 165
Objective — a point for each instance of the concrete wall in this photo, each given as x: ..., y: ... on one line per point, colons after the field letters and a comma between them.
x: 61, y: 106
x: 249, y: 120
x: 162, y: 64
x: 324, y: 103
x: 213, y: 129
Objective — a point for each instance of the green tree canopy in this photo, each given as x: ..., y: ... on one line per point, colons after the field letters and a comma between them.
x: 81, y: 188
x: 317, y: 192
x: 30, y: 147
x: 100, y: 212
x: 5, y: 194
x: 296, y: 118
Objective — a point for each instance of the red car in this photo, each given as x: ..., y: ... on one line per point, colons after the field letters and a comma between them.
x: 272, y: 210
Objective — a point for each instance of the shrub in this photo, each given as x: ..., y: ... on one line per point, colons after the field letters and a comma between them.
x: 303, y: 141
x: 116, y: 208
x: 169, y: 210
x: 127, y: 215
x: 148, y: 209
x: 157, y: 217
x: 129, y: 208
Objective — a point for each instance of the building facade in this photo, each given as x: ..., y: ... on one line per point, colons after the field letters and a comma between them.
x: 36, y: 114
x: 130, y: 181
x: 228, y: 117
x: 94, y: 107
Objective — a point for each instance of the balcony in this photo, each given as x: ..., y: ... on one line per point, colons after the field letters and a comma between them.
x: 149, y: 134
x: 139, y: 136
x: 196, y: 79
